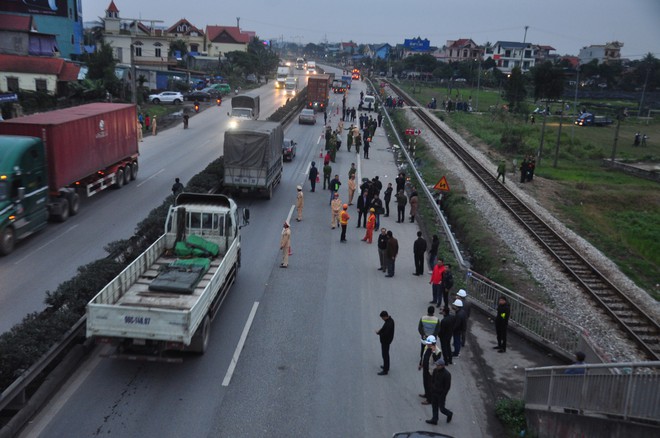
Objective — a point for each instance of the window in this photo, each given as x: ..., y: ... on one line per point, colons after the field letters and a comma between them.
x: 12, y: 84
x: 119, y: 53
x: 158, y: 52
x: 41, y: 84
x: 138, y: 51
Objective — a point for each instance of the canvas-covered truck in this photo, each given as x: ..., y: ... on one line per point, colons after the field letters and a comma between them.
x: 166, y: 299
x: 49, y: 160
x: 253, y: 157
x: 283, y: 72
x: 346, y: 81
x: 318, y: 87
x: 588, y: 119
x: 245, y: 106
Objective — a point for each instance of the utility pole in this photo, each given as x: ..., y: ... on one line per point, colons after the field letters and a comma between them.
x: 561, y: 119
x: 545, y: 116
x: 641, y: 102
x: 522, y: 52
x: 577, y: 84
x: 238, y: 23
x: 133, y: 78
x: 616, y: 136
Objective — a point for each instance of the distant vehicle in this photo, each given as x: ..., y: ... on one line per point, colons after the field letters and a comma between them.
x: 198, y: 95
x: 355, y: 74
x: 223, y: 88
x: 288, y: 149
x: 588, y: 119
x: 300, y: 64
x: 282, y: 74
x: 318, y: 87
x: 213, y: 92
x: 251, y: 78
x: 307, y: 117
x: 338, y: 86
x: 368, y: 103
x: 346, y: 80
x: 602, y: 85
x: 311, y: 68
x: 245, y: 106
x: 166, y: 97
x: 291, y: 85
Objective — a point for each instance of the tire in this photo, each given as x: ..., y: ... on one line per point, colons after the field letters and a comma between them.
x: 7, y: 241
x: 134, y: 171
x: 119, y: 179
x: 269, y: 192
x: 64, y: 210
x: 156, y: 101
x: 200, y: 340
x: 127, y: 174
x: 74, y: 204
x: 177, y: 102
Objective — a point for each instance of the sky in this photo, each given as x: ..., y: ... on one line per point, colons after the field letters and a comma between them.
x: 566, y: 25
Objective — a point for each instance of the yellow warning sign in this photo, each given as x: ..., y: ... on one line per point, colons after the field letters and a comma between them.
x: 442, y: 185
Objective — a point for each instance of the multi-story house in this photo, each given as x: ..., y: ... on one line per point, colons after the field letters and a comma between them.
x: 223, y: 39
x: 604, y: 53
x: 463, y: 49
x: 509, y: 54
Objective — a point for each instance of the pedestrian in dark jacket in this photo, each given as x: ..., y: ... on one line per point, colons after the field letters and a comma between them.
x: 467, y: 308
x: 400, y: 182
x: 387, y: 198
x: 502, y: 323
x: 382, y: 249
x: 419, y: 248
x: 313, y: 175
x: 459, y: 326
x: 177, y: 187
x: 363, y: 206
x: 440, y: 386
x: 446, y: 332
x: 430, y: 353
x: 428, y: 325
x: 401, y: 202
x: 386, y: 335
x: 391, y: 253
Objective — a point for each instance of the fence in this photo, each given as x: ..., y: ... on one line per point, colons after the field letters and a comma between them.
x: 629, y: 391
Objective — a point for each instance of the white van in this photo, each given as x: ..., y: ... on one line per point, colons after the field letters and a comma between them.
x: 369, y: 103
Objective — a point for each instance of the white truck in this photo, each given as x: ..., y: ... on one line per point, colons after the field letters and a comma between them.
x: 291, y: 85
x: 282, y: 74
x: 166, y: 299
x: 311, y: 67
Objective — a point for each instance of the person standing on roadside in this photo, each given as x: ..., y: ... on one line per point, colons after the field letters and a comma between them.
x: 382, y: 249
x: 400, y: 182
x: 363, y: 206
x: 313, y: 176
x: 502, y: 323
x: 436, y: 283
x: 335, y: 209
x: 391, y: 253
x: 371, y: 225
x: 386, y: 335
x: 285, y: 244
x: 459, y: 326
x: 334, y: 187
x: 429, y: 325
x: 327, y: 172
x: 447, y: 283
x: 440, y: 386
x: 147, y: 123
x: 430, y: 353
x: 446, y: 332
x: 154, y: 126
x: 300, y: 203
x: 343, y: 222
x: 414, y: 202
x: 401, y: 202
x: 387, y: 198
x: 352, y: 187
x: 377, y: 205
x: 419, y: 248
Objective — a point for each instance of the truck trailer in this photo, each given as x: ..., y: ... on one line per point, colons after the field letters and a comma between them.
x: 318, y: 87
x: 48, y: 160
x: 245, y: 106
x: 167, y: 298
x: 253, y: 157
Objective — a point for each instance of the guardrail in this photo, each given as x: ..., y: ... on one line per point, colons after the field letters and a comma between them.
x: 628, y: 391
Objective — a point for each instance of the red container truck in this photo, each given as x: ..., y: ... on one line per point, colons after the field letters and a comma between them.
x: 48, y: 160
x: 317, y: 92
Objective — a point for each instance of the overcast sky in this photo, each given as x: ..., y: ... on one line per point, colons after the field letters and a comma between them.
x: 566, y: 25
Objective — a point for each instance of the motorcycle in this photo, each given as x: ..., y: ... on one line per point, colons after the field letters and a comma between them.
x: 196, y: 107
x: 218, y: 101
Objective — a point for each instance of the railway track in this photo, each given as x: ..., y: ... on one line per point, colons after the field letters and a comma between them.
x: 637, y: 324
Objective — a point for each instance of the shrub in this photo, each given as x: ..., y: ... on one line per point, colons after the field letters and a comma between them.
x: 511, y: 412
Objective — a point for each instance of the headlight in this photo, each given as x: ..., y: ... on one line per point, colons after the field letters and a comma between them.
x: 233, y: 124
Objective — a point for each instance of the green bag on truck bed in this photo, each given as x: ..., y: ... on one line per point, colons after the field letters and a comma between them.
x: 199, y: 262
x: 203, y: 244
x: 181, y: 276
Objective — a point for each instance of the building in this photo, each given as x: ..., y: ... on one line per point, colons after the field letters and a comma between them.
x: 19, y: 36
x: 151, y: 45
x: 35, y: 73
x: 414, y: 46
x: 224, y: 39
x: 608, y: 52
x: 463, y: 49
x: 380, y: 51
x: 193, y: 36
x: 61, y: 18
x: 508, y: 55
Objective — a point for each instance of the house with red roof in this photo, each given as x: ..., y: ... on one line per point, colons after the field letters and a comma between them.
x: 464, y: 49
x: 223, y: 39
x: 36, y: 73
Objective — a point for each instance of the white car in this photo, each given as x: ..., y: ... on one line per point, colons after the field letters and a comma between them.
x: 166, y: 97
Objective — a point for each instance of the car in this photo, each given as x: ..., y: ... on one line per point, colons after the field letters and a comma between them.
x: 223, y: 88
x: 251, y: 78
x: 307, y: 116
x: 173, y: 97
x: 288, y: 149
x: 368, y: 103
x: 198, y: 95
x: 213, y: 92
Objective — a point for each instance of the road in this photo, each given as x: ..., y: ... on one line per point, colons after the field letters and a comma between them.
x: 309, y: 365
x: 43, y: 261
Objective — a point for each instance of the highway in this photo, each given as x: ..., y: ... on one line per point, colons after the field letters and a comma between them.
x: 293, y: 352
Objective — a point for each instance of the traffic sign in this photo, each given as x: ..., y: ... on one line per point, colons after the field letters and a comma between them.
x: 442, y: 185
x: 411, y: 131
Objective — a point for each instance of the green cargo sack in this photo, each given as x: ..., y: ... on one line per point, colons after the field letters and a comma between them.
x: 205, y: 264
x: 203, y: 244
x: 181, y: 249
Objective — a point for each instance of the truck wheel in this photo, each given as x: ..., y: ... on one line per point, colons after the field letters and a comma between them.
x: 74, y: 204
x: 134, y: 171
x: 127, y: 174
x: 269, y: 193
x: 7, y: 241
x: 200, y: 340
x: 64, y: 210
x: 119, y: 179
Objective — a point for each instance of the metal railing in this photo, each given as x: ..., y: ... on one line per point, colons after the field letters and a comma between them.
x: 629, y: 391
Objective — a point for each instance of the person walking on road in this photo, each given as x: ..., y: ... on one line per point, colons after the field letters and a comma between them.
x: 436, y: 283
x: 467, y: 308
x: 501, y: 171
x: 387, y: 197
x: 335, y: 209
x: 419, y: 248
x: 414, y: 201
x: 430, y: 353
x: 300, y: 203
x: 327, y: 172
x: 446, y: 332
x: 502, y: 323
x: 401, y: 202
x: 382, y: 249
x: 154, y: 126
x: 343, y: 222
x: 313, y: 176
x: 352, y: 187
x: 391, y: 253
x: 440, y: 386
x: 429, y: 324
x: 371, y: 225
x: 386, y: 334
x: 177, y: 187
x: 334, y: 187
x: 285, y: 244
x: 459, y: 326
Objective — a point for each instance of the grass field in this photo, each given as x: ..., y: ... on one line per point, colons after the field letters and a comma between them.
x: 617, y: 213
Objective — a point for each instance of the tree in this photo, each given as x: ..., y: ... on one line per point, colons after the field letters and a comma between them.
x: 514, y: 89
x: 101, y: 65
x: 425, y: 63
x: 548, y: 81
x: 178, y: 46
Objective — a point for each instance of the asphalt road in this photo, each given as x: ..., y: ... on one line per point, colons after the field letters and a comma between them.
x: 308, y: 366
x: 43, y: 261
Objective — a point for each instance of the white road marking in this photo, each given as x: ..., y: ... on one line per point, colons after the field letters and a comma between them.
x: 288, y: 218
x: 241, y: 343
x: 45, y: 244
x: 152, y: 176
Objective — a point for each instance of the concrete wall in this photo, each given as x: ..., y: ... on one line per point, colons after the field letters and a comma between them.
x: 548, y: 424
x: 26, y: 81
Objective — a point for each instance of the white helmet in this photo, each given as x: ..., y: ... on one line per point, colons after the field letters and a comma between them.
x: 457, y: 303
x: 461, y: 293
x: 430, y: 340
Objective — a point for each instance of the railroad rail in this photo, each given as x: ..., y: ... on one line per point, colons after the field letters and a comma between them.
x: 636, y: 323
